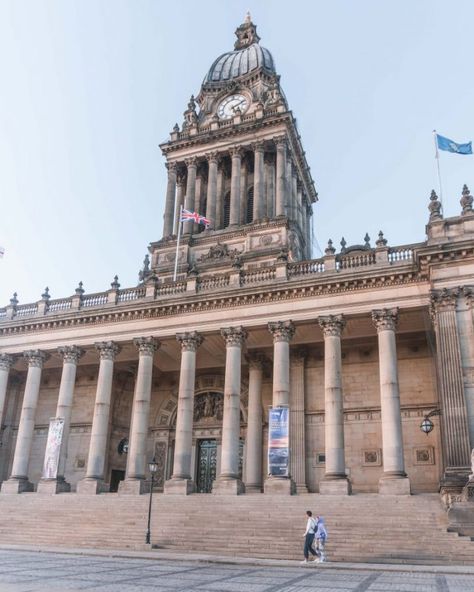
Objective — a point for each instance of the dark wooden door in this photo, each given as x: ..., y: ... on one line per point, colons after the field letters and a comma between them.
x: 206, y: 466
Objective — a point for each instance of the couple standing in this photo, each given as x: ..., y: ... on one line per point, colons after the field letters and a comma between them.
x: 314, y: 536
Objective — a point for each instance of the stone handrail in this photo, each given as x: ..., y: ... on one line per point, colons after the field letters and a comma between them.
x: 403, y: 253
x: 98, y: 299
x: 264, y: 274
x: 355, y: 261
x: 171, y: 289
x: 60, y: 304
x: 131, y: 294
x: 27, y: 310
x: 306, y: 267
x: 213, y: 282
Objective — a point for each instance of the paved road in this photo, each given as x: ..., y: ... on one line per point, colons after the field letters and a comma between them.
x: 25, y: 571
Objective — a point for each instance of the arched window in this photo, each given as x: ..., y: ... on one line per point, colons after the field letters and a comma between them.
x: 249, y: 211
x: 227, y: 209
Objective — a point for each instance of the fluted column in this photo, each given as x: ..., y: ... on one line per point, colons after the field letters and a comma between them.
x: 18, y: 481
x: 212, y: 189
x: 94, y: 481
x: 170, y: 199
x: 181, y: 480
x: 71, y: 356
x: 294, y: 193
x: 335, y: 480
x: 454, y: 416
x: 243, y: 190
x: 280, y: 176
x: 282, y: 332
x: 258, y: 181
x: 270, y: 185
x: 464, y: 320
x: 191, y: 164
x: 220, y: 196
x: 236, y: 154
x: 197, y: 198
x: 254, y: 443
x: 179, y: 201
x: 394, y: 479
x: 6, y: 363
x: 289, y: 186
x: 297, y: 420
x: 134, y: 482
x: 228, y: 480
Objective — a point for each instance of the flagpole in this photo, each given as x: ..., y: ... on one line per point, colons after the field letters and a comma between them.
x: 439, y: 171
x: 180, y: 224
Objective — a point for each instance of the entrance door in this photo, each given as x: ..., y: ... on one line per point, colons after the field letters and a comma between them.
x: 206, y: 465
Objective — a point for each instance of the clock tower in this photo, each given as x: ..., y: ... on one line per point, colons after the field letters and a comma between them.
x: 237, y: 159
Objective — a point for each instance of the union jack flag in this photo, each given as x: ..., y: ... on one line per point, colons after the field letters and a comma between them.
x: 187, y: 216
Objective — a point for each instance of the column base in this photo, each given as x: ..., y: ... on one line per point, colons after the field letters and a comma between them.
x: 134, y: 487
x: 53, y: 486
x: 228, y: 486
x: 394, y: 486
x: 301, y: 488
x: 279, y: 486
x: 92, y: 486
x: 179, y: 487
x: 253, y: 488
x: 16, y: 485
x: 335, y: 486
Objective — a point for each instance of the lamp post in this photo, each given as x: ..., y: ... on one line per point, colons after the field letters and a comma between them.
x: 427, y: 425
x: 152, y: 467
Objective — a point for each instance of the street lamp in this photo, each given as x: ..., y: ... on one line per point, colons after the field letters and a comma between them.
x: 152, y: 467
x: 427, y: 425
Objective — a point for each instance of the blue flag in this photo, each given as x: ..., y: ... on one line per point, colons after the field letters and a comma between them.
x: 450, y: 146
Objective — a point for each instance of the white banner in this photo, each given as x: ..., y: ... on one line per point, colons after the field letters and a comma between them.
x: 53, y: 447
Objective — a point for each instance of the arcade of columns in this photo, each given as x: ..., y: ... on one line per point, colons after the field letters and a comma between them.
x: 394, y: 479
x: 273, y: 179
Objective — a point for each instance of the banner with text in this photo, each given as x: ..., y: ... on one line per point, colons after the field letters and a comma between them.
x: 53, y: 447
x: 278, y: 442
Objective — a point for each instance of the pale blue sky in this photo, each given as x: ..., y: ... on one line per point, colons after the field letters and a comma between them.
x: 89, y: 88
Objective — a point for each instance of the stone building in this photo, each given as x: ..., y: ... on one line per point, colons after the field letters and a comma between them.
x: 361, y: 344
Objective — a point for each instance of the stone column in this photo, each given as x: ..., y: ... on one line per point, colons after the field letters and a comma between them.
x: 6, y: 363
x: 282, y: 332
x: 394, y: 479
x: 169, y: 203
x: 181, y: 481
x: 309, y: 215
x: 466, y: 341
x: 135, y: 476
x: 220, y: 196
x: 228, y: 480
x: 254, y: 444
x: 270, y: 185
x: 280, y: 176
x: 191, y: 164
x: 335, y: 480
x: 258, y: 181
x: 197, y: 198
x: 236, y: 154
x: 94, y: 482
x: 179, y: 201
x: 289, y: 187
x: 454, y: 417
x: 299, y: 209
x: 297, y: 421
x: 18, y: 481
x: 243, y: 190
x: 294, y: 194
x: 212, y: 189
x: 71, y: 356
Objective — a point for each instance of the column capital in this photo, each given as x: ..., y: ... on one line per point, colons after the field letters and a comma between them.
x: 385, y: 319
x: 189, y: 341
x: 107, y: 349
x: 236, y: 151
x: 213, y: 157
x: 70, y: 354
x: 191, y: 162
x: 147, y: 346
x: 172, y: 167
x: 445, y: 299
x: 6, y: 362
x: 234, y: 336
x: 332, y: 325
x: 280, y: 142
x: 256, y: 359
x: 258, y: 146
x: 35, y: 358
x: 282, y: 330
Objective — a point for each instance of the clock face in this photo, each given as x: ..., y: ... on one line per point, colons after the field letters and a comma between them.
x: 227, y: 107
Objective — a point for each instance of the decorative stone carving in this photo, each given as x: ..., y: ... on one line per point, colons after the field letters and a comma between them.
x: 70, y: 354
x: 329, y: 250
x: 6, y: 362
x: 258, y: 146
x: 80, y: 289
x: 147, y: 346
x: 145, y: 271
x: 115, y: 284
x: 219, y: 251
x: 160, y: 459
x: 442, y: 300
x: 434, y: 207
x: 14, y: 300
x: 234, y: 336
x: 213, y: 157
x: 189, y: 341
x: 35, y: 358
x: 191, y: 162
x: 282, y: 330
x: 381, y: 241
x: 107, y: 350
x: 466, y: 201
x: 208, y: 405
x: 45, y: 296
x: 332, y: 325
x: 385, y: 319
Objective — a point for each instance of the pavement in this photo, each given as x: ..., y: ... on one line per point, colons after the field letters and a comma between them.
x: 39, y: 569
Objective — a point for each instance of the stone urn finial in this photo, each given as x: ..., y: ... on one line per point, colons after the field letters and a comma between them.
x: 45, y: 295
x: 466, y: 201
x: 434, y: 207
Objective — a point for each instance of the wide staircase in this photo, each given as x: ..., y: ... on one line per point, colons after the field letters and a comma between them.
x: 362, y: 527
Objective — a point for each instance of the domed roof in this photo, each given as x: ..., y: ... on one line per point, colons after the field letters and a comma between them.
x: 248, y: 56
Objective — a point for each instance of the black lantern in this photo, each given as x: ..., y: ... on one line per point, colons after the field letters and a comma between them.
x: 152, y: 467
x: 427, y: 425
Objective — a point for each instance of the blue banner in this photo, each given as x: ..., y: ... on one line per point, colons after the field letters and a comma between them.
x: 450, y: 146
x: 278, y: 442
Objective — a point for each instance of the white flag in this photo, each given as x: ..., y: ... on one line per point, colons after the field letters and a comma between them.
x: 2, y: 251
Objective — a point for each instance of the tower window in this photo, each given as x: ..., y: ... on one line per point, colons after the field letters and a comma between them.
x: 227, y: 209
x: 249, y: 212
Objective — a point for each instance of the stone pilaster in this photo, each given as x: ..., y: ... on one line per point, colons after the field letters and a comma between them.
x: 254, y: 444
x: 236, y: 154
x: 94, y: 482
x: 297, y: 420
x: 394, y: 479
x: 191, y: 164
x: 212, y: 160
x: 335, y: 480
x: 71, y: 356
x: 454, y: 417
x: 135, y: 476
x: 280, y: 176
x: 464, y: 318
x: 220, y: 196
x: 243, y: 190
x: 228, y: 480
x: 179, y: 201
x: 6, y: 363
x: 181, y: 481
x: 258, y: 181
x: 270, y: 185
x: 170, y: 198
x: 18, y: 481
